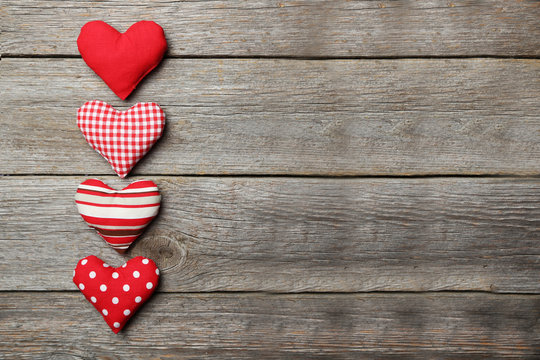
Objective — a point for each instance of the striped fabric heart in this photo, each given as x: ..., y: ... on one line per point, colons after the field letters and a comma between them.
x: 119, y: 216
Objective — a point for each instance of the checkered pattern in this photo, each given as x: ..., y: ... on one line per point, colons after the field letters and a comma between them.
x: 121, y: 137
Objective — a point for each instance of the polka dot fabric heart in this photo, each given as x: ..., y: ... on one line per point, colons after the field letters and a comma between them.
x: 121, y: 137
x: 117, y: 293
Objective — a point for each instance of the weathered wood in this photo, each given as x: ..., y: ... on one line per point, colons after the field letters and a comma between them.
x: 242, y: 326
x: 291, y: 234
x: 287, y: 28
x: 339, y: 117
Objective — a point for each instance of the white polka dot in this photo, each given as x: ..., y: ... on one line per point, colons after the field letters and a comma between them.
x: 145, y: 261
x: 81, y: 286
x: 127, y: 312
x: 157, y: 272
x: 103, y: 287
x: 115, y: 300
x: 116, y: 325
x: 105, y: 312
x: 115, y: 275
x: 126, y: 287
x: 92, y: 274
x: 73, y: 273
x: 93, y: 299
x: 105, y: 265
x: 149, y: 285
x: 136, y: 274
x: 124, y: 265
x: 84, y: 262
x: 138, y: 299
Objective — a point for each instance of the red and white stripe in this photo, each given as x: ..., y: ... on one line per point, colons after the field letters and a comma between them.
x: 119, y: 216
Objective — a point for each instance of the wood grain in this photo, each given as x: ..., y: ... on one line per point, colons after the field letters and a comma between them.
x: 287, y: 28
x: 239, y: 116
x: 247, y: 326
x: 319, y: 88
x: 291, y: 234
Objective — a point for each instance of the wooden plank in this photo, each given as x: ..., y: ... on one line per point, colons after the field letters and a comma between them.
x: 242, y: 326
x: 291, y: 234
x: 287, y: 28
x: 338, y: 117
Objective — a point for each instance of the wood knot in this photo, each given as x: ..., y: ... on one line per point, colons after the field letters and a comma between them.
x: 166, y: 248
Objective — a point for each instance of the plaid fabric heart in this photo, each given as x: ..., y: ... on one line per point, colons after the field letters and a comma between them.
x: 121, y: 137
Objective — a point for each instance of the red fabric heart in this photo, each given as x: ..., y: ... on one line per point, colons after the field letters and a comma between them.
x: 117, y: 293
x: 119, y: 216
x: 121, y: 137
x: 122, y: 60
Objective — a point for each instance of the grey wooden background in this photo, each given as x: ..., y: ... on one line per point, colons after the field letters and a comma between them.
x: 340, y: 179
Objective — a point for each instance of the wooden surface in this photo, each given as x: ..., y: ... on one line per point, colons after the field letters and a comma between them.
x: 293, y: 234
x: 248, y: 326
x: 302, y: 117
x: 311, y: 28
x: 340, y: 179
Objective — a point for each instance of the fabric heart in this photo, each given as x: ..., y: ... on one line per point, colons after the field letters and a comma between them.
x: 121, y: 137
x: 122, y: 60
x: 119, y: 216
x: 117, y: 293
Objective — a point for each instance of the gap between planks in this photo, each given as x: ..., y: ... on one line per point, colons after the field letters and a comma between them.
x: 299, y: 176
x: 307, y: 293
x: 291, y: 57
